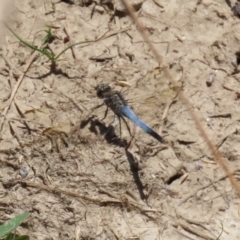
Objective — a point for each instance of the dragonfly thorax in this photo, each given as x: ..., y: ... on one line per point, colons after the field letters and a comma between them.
x: 115, y: 101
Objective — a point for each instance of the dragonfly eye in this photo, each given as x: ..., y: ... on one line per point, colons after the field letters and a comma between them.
x: 102, y: 89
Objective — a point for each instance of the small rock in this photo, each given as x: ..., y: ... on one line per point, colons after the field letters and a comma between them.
x: 120, y: 7
x: 99, y: 9
x: 23, y: 172
x: 211, y: 79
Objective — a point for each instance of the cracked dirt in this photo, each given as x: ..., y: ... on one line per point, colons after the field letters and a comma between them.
x: 70, y: 169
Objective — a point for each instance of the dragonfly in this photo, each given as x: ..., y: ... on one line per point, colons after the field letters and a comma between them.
x: 116, y: 102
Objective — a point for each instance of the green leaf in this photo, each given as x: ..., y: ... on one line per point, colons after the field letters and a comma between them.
x: 24, y: 237
x: 49, y: 37
x: 44, y: 51
x: 9, y: 237
x: 218, y: 238
x: 12, y: 224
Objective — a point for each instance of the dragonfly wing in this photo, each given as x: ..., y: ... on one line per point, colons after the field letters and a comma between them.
x: 127, y: 112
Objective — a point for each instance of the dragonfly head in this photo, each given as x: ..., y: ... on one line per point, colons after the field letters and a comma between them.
x: 102, y: 89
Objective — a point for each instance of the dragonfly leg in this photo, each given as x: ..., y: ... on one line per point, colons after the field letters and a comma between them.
x: 120, y: 126
x: 96, y: 107
x: 105, y: 114
x: 93, y: 109
x: 128, y: 128
x: 88, y: 118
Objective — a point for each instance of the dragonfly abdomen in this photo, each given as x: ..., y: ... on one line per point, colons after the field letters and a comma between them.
x: 127, y: 112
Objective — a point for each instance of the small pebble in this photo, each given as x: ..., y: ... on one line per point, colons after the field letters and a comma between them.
x: 99, y: 9
x: 211, y: 79
x: 23, y: 172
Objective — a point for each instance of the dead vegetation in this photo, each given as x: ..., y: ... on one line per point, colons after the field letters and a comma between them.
x: 72, y: 170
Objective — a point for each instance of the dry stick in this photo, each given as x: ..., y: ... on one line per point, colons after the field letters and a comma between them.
x: 104, y: 36
x: 68, y: 35
x: 184, y: 234
x: 98, y: 201
x: 16, y: 88
x: 102, y: 190
x: 15, y: 134
x: 182, y: 97
x: 63, y: 191
x: 194, y: 231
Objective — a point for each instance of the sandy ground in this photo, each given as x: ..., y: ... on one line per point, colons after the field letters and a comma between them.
x: 75, y: 176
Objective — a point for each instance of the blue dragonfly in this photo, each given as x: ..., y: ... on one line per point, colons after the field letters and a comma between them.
x: 116, y: 102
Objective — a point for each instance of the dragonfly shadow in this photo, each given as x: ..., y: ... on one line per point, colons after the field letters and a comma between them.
x: 135, y: 171
x: 97, y: 127
x: 53, y: 70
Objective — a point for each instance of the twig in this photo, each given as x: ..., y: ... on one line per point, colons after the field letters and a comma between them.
x: 16, y: 88
x: 98, y: 201
x: 72, y: 49
x: 13, y: 132
x: 54, y: 189
x: 101, y: 190
x: 23, y: 117
x: 194, y: 231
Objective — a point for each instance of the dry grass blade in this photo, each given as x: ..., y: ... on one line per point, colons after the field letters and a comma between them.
x: 182, y: 96
x: 16, y: 88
